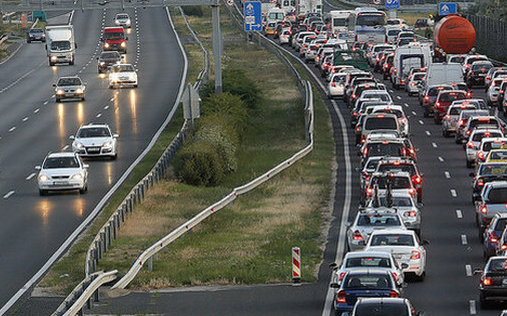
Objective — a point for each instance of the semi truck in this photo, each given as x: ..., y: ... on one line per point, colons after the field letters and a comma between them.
x: 60, y: 44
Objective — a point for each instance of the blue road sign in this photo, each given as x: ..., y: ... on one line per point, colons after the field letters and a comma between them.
x: 253, y: 16
x: 446, y: 8
x: 392, y: 4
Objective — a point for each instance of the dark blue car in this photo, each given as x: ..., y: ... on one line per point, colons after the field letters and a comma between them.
x: 363, y: 283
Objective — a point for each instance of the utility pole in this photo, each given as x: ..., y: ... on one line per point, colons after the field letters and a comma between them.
x: 217, y: 49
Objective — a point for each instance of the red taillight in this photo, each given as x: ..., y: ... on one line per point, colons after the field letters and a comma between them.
x: 484, y: 209
x: 410, y: 214
x: 493, y: 238
x: 353, y: 96
x: 394, y: 294
x: 396, y: 277
x: 357, y: 236
x: 426, y: 99
x: 411, y: 191
x: 365, y: 152
x: 503, y: 247
x: 369, y: 191
x: 470, y: 144
x: 480, y: 155
x: 340, y: 297
x: 469, y: 132
x: 416, y: 179
x: 447, y: 118
x: 333, y: 84
x: 415, y: 255
x: 354, y: 113
x: 480, y: 182
x: 437, y: 104
x: 487, y: 281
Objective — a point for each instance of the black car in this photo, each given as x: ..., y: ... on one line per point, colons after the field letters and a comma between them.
x: 108, y: 59
x: 493, y: 285
x: 478, y: 72
x: 384, y: 306
x: 35, y: 34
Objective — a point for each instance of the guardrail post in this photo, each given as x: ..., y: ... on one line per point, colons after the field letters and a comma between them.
x: 96, y: 296
x: 130, y: 204
x: 98, y: 246
x: 80, y: 313
x: 108, y: 230
x: 115, y: 222
x: 150, y: 263
x: 123, y: 210
x: 142, y: 190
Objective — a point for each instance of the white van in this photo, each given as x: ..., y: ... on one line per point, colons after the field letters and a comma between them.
x: 439, y: 73
x: 406, y: 58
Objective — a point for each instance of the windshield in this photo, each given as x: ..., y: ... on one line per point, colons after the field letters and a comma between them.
x: 393, y: 32
x: 340, y: 22
x: 122, y: 16
x: 69, y: 82
x: 489, y: 145
x: 457, y: 59
x: 368, y: 262
x: 123, y: 68
x: 60, y: 45
x: 114, y: 36
x: 381, y: 96
x: 451, y: 96
x: 380, y: 123
x: 110, y: 55
x: 61, y: 162
x: 434, y: 91
x: 93, y: 132
x: 497, y: 195
x: 384, y: 309
x: 457, y: 110
x: 392, y: 240
x: 479, y: 136
x: 350, y: 56
x: 378, y: 220
x: 370, y: 19
x: 497, y: 265
x: 36, y: 31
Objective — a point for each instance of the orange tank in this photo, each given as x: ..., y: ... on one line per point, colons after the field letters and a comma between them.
x: 455, y: 35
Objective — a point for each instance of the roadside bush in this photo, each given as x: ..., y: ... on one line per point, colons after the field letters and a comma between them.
x: 236, y: 82
x: 193, y: 10
x: 227, y: 108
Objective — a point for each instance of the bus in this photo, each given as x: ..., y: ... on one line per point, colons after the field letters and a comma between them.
x: 337, y: 21
x: 368, y: 25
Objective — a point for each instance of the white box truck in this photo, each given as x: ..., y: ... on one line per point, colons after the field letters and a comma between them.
x: 60, y: 44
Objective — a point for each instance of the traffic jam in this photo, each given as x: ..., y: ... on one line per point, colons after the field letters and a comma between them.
x: 363, y: 58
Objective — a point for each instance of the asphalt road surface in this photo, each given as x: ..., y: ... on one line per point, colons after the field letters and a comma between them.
x: 32, y: 228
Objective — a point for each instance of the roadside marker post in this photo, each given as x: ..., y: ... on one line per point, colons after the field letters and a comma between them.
x: 296, y: 264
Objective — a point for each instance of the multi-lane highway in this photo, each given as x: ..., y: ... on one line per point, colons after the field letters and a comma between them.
x: 32, y: 228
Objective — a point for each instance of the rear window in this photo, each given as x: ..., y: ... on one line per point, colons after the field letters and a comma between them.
x: 396, y: 201
x: 498, y: 155
x: 452, y: 96
x: 378, y: 220
x: 396, y: 182
x: 497, y: 265
x: 372, y: 164
x: 434, y: 91
x: 493, y: 169
x: 479, y: 136
x: 368, y: 262
x: 458, y: 110
x: 388, y: 149
x: 410, y: 168
x: 485, y: 120
x: 392, y: 240
x: 497, y: 195
x: 367, y: 281
x: 487, y: 146
x: 500, y: 224
x: 373, y: 123
x: 385, y: 309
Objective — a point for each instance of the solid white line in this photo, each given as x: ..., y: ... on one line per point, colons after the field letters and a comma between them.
x: 428, y: 133
x: 441, y: 159
x: 447, y: 175
x: 434, y: 145
x: 421, y: 122
x: 464, y: 240
x: 473, y: 308
x: 459, y: 214
x: 12, y: 129
x: 454, y: 193
x: 9, y: 194
x: 30, y: 176
x: 468, y: 269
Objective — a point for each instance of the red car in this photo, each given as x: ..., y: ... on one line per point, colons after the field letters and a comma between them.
x: 444, y: 100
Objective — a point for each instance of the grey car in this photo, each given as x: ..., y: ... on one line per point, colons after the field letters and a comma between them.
x: 107, y: 59
x: 493, y: 200
x: 35, y: 34
x: 69, y: 88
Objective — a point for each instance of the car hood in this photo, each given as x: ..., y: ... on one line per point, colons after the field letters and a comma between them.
x: 92, y: 141
x: 122, y: 74
x: 69, y: 87
x: 61, y: 171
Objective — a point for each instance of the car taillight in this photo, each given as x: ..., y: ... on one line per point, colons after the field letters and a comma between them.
x: 416, y: 179
x: 411, y: 191
x: 493, y: 238
x: 447, y: 118
x: 469, y: 95
x: 410, y: 214
x: 354, y: 113
x: 461, y: 122
x: 340, y: 297
x: 480, y: 155
x: 353, y: 96
x: 340, y: 277
x: 333, y: 84
x: 358, y: 129
x: 369, y: 191
x: 480, y: 182
x: 468, y: 132
x: 357, y: 236
x: 487, y: 281
x: 365, y: 152
x: 470, y: 144
x: 437, y: 104
x: 503, y: 247
x: 394, y: 294
x: 386, y: 65
x: 426, y: 99
x: 484, y: 209
x: 415, y: 255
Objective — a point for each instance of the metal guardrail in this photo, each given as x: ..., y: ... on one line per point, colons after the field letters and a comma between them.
x: 3, y: 38
x: 82, y: 293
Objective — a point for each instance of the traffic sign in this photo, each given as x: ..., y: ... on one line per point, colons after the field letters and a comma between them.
x: 446, y: 8
x: 253, y: 16
x: 392, y: 4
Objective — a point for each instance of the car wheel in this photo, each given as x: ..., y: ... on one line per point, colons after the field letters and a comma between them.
x: 445, y: 133
x: 58, y: 99
x: 437, y: 120
x: 457, y: 140
x: 481, y: 238
x: 71, y: 63
x: 114, y: 157
x: 43, y: 192
x: 469, y: 164
x: 28, y: 41
x: 135, y: 86
x: 83, y: 98
x: 110, y: 87
x: 426, y: 113
x: 483, y: 303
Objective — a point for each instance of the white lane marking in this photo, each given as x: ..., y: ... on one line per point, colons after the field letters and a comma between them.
x: 441, y: 159
x: 106, y: 107
x: 421, y: 122
x: 12, y: 129
x: 391, y: 91
x: 414, y: 113
x: 9, y: 194
x: 447, y: 175
x: 464, y: 241
x: 111, y: 100
x: 99, y: 115
x: 53, y: 96
x: 65, y: 147
x: 36, y: 110
x: 428, y: 133
x: 454, y: 193
x: 473, y: 308
x: 406, y: 105
x: 468, y: 269
x: 46, y: 102
x: 434, y: 145
x: 30, y: 177
x: 459, y: 214
x: 398, y: 97
x: 25, y: 119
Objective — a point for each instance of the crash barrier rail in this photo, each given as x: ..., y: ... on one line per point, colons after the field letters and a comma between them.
x: 109, y: 230
x: 3, y: 38
x: 83, y: 292
x: 150, y: 254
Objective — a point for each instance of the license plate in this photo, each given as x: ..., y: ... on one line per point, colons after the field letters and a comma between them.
x: 60, y: 182
x: 69, y: 94
x: 93, y: 150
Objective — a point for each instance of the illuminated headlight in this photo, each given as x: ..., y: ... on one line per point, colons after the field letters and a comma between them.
x: 59, y: 91
x: 79, y: 90
x: 79, y: 145
x: 43, y: 177
x: 113, y: 79
x: 53, y: 58
x: 108, y: 144
x: 106, y: 45
x: 123, y: 44
x: 77, y: 176
x: 102, y: 63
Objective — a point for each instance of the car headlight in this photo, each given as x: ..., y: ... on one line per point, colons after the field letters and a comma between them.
x: 59, y: 91
x: 123, y: 44
x: 43, y: 177
x: 107, y: 144
x: 102, y: 63
x: 53, y: 58
x: 79, y: 145
x: 106, y: 45
x: 79, y: 90
x: 77, y: 176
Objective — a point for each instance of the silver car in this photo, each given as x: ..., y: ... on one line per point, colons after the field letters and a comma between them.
x: 95, y: 140
x: 450, y: 120
x: 62, y: 171
x: 122, y: 19
x: 69, y: 88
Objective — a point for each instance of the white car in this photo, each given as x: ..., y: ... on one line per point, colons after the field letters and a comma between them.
x: 493, y: 91
x: 336, y: 86
x: 367, y: 222
x: 400, y: 114
x: 367, y: 260
x: 62, y: 171
x: 95, y: 140
x: 474, y: 141
x: 122, y: 75
x: 284, y: 36
x: 405, y: 247
x: 69, y: 88
x: 413, y: 81
x: 122, y: 19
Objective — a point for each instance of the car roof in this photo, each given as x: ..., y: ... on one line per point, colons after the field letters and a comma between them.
x: 368, y: 271
x: 392, y: 231
x: 94, y: 125
x: 359, y: 254
x: 394, y: 173
x: 61, y: 154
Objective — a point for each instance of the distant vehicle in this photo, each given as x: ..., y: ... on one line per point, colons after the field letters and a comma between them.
x: 60, y: 46
x: 384, y: 306
x: 62, y: 171
x: 35, y: 34
x: 107, y: 59
x: 95, y: 140
x: 491, y: 286
x: 122, y: 19
x: 453, y: 35
x: 122, y: 75
x: 492, y: 200
x: 69, y: 88
x: 338, y: 20
x: 368, y: 25
x: 114, y: 39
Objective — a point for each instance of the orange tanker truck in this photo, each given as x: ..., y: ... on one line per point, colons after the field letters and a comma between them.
x: 453, y: 35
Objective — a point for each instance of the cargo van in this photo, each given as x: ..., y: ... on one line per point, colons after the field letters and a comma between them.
x: 60, y: 44
x: 439, y: 73
x: 406, y: 58
x: 114, y: 39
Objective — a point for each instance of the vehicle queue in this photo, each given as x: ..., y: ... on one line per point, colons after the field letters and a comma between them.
x: 384, y: 242
x: 66, y: 170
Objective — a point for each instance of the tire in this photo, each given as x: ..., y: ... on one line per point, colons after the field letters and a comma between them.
x: 469, y: 164
x: 28, y: 41
x: 83, y: 98
x: 58, y: 99
x: 71, y: 63
x: 51, y: 64
x: 422, y: 276
x: 483, y: 303
x: 43, y: 192
x: 445, y: 133
x: 457, y: 140
x: 437, y: 120
x: 135, y: 86
x: 114, y: 157
x: 110, y: 87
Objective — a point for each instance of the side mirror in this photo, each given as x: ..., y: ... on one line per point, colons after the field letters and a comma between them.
x: 334, y: 285
x: 404, y: 265
x: 38, y: 168
x: 333, y: 265
x: 72, y: 137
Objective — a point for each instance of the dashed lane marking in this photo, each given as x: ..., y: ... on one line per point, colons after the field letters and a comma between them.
x: 12, y: 129
x: 99, y: 115
x: 428, y: 133
x: 464, y: 241
x: 421, y: 122
x: 36, y: 110
x: 25, y: 119
x: 434, y: 145
x: 454, y: 193
x: 65, y: 147
x: 473, y: 308
x: 459, y: 214
x: 468, y: 269
x: 447, y: 175
x: 30, y: 176
x: 9, y: 194
x: 441, y: 159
